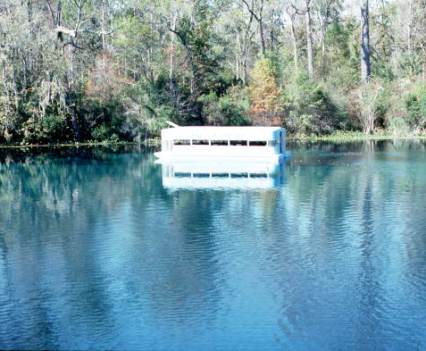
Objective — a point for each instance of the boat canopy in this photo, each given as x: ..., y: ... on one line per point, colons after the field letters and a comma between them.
x: 223, y: 133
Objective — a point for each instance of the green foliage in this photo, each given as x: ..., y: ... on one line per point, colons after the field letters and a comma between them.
x: 50, y: 128
x: 397, y: 107
x: 207, y: 73
x: 280, y: 64
x: 341, y: 64
x: 416, y: 106
x: 9, y: 120
x: 146, y: 110
x: 384, y: 37
x: 120, y: 70
x: 410, y: 64
x: 309, y: 109
x: 224, y: 110
x: 104, y: 132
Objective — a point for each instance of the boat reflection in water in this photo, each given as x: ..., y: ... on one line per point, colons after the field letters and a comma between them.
x: 225, y: 174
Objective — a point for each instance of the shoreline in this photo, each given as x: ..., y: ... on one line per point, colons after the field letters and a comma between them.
x: 343, y: 137
x: 77, y: 145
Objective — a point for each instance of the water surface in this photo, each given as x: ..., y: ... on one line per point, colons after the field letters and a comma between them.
x: 95, y: 253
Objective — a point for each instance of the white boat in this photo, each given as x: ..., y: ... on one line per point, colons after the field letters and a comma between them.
x: 254, y: 143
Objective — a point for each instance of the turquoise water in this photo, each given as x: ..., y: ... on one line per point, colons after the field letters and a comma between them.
x: 95, y: 253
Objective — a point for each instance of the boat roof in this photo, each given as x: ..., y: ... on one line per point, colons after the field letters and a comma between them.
x: 219, y: 133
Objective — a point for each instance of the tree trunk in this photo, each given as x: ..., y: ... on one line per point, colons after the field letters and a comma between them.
x: 409, y: 34
x: 294, y: 39
x: 365, y: 43
x: 262, y: 36
x: 259, y: 19
x: 245, y: 46
x: 172, y: 52
x: 261, y: 28
x: 309, y: 40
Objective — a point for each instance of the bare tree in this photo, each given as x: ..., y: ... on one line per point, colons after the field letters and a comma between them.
x: 368, y: 95
x: 258, y: 16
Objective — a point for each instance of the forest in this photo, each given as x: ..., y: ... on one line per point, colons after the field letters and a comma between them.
x: 109, y: 70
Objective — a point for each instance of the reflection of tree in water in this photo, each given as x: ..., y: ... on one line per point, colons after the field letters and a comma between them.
x: 369, y: 322
x: 318, y: 232
x: 329, y: 215
x: 52, y: 208
x: 178, y: 270
x: 49, y: 209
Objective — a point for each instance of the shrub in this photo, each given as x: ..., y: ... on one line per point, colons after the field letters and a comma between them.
x: 309, y: 109
x: 416, y: 107
x: 395, y: 117
x: 101, y: 133
x: 224, y: 110
x: 9, y: 121
x: 50, y: 128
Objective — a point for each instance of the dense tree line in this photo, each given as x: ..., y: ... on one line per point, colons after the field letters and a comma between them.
x: 80, y: 70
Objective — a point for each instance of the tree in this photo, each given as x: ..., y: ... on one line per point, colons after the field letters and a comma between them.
x: 327, y: 13
x: 365, y: 42
x: 309, y: 44
x: 263, y: 90
x: 306, y: 11
x: 258, y: 16
x: 80, y: 70
x: 291, y: 13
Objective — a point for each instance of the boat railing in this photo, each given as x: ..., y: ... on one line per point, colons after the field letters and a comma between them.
x: 205, y: 142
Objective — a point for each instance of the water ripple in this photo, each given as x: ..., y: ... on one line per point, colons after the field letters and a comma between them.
x: 98, y: 255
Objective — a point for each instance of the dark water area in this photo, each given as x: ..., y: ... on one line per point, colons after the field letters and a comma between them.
x: 96, y: 253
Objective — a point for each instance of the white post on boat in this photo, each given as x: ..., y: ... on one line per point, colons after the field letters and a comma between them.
x: 171, y: 124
